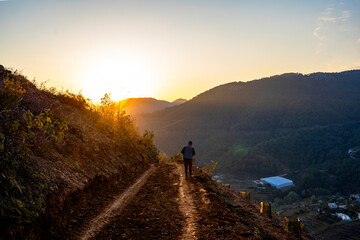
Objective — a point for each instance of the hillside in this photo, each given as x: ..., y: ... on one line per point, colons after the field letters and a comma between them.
x: 274, y: 125
x: 59, y: 155
x: 134, y: 106
x: 180, y: 100
x: 72, y: 170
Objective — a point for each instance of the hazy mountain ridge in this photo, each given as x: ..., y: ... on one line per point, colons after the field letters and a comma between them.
x: 180, y: 101
x: 238, y: 124
x: 147, y: 105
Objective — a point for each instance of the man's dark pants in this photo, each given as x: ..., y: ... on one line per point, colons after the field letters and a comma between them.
x: 188, y: 164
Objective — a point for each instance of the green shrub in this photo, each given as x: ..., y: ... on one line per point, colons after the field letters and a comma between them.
x: 45, y: 124
x: 210, y: 168
x: 11, y: 94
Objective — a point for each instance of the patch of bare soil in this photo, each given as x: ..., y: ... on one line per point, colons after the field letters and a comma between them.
x: 115, y: 207
x: 216, y: 220
x: 84, y: 205
x: 153, y: 213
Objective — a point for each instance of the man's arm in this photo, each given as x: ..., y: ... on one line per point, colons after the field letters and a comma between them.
x: 182, y: 151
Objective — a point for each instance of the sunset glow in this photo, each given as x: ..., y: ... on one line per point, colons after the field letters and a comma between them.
x: 174, y: 49
x: 122, y: 76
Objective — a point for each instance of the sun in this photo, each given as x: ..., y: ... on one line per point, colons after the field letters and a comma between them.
x: 123, y: 76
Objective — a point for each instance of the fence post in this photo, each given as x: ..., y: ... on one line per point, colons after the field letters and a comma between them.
x: 294, y: 226
x: 265, y: 208
x: 245, y: 195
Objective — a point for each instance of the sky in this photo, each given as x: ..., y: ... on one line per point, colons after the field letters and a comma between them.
x: 170, y: 49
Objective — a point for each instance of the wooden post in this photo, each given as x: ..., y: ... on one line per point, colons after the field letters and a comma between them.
x: 294, y: 226
x: 265, y: 208
x: 245, y: 195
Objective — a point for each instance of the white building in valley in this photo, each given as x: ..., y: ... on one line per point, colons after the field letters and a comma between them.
x: 278, y: 182
x: 343, y: 216
x: 333, y: 205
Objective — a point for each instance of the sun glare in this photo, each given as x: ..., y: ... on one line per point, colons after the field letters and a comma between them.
x: 122, y: 76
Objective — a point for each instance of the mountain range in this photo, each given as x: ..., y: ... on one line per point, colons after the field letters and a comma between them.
x: 290, y: 123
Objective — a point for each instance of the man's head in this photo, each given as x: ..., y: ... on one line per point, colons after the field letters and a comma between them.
x: 190, y: 142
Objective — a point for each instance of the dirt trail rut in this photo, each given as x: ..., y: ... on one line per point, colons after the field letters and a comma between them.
x: 186, y: 205
x: 115, y: 207
x: 154, y: 213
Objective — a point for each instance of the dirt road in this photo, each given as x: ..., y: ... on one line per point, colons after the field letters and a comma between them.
x: 161, y: 204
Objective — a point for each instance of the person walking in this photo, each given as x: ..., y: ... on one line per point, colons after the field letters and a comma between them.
x: 188, y: 152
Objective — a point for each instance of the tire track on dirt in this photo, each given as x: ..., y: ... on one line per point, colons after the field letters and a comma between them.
x: 115, y: 207
x: 187, y: 206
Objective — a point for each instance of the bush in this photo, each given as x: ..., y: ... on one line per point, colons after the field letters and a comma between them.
x: 176, y: 158
x: 209, y: 169
x: 11, y: 94
x: 23, y: 188
x: 291, y: 197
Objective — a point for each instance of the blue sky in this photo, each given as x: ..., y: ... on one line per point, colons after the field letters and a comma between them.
x: 171, y: 49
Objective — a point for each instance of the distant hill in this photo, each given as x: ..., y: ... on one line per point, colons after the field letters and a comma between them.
x: 147, y: 105
x: 180, y: 101
x: 269, y: 126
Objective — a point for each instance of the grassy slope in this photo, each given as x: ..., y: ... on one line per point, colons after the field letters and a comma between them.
x: 54, y: 161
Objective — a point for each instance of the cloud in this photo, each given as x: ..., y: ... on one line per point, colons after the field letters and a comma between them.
x: 330, y: 16
x: 358, y: 40
x: 316, y: 33
x: 343, y: 18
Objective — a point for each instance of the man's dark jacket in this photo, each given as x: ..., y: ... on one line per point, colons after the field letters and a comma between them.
x: 188, y: 152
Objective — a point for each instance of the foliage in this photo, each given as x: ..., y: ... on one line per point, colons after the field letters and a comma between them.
x: 347, y: 171
x: 45, y: 124
x: 11, y: 94
x: 176, y: 158
x: 210, y: 168
x: 291, y: 197
x: 77, y: 100
x: 163, y: 157
x: 22, y: 188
